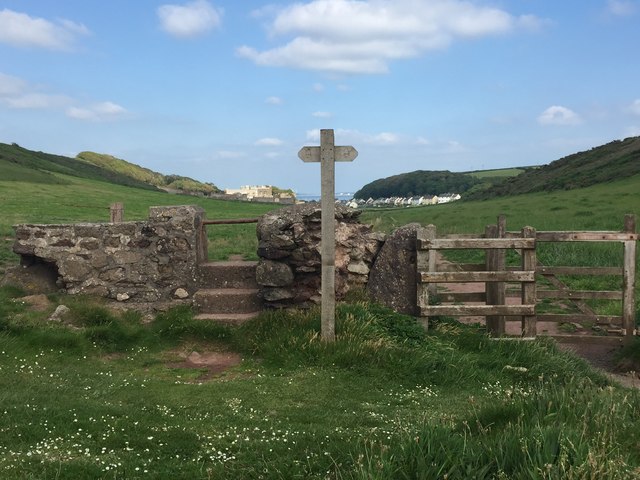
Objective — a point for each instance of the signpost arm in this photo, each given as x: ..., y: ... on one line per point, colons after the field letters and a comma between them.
x: 328, y: 205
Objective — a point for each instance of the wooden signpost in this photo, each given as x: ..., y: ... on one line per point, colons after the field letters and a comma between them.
x: 327, y: 154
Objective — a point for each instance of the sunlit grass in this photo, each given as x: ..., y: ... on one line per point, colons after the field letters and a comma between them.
x: 387, y: 400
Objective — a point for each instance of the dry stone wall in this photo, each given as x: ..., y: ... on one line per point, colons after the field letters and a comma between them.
x: 289, y: 270
x: 139, y: 261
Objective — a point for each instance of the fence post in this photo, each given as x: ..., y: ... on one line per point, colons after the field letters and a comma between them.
x: 495, y: 291
x: 629, y: 280
x: 529, y: 328
x: 117, y: 212
x: 424, y: 261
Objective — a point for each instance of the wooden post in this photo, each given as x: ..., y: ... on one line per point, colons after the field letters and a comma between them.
x: 495, y: 291
x: 425, y: 260
x: 328, y: 243
x: 629, y: 281
x: 529, y: 328
x: 116, y: 212
x: 327, y: 154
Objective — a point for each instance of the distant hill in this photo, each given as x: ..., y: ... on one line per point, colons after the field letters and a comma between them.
x: 20, y: 164
x: 613, y: 161
x: 420, y: 182
x: 172, y: 183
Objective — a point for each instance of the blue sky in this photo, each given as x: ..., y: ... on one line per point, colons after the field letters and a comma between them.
x: 228, y: 91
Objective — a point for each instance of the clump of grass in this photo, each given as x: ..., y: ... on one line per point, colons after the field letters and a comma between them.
x: 368, y: 338
x: 178, y: 324
x: 573, y: 431
x: 7, y: 304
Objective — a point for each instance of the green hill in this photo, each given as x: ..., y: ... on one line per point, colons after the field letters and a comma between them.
x: 21, y: 164
x: 175, y: 183
x: 420, y: 182
x: 614, y: 161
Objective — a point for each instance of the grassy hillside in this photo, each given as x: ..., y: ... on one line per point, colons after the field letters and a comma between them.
x: 599, y: 207
x: 498, y: 173
x: 21, y: 164
x: 420, y: 182
x: 170, y: 182
x: 613, y: 161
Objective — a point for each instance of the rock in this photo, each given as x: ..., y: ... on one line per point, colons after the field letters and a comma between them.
x: 273, y: 274
x: 360, y: 268
x: 122, y: 297
x: 181, y: 293
x: 59, y: 312
x: 392, y: 281
x: 276, y: 294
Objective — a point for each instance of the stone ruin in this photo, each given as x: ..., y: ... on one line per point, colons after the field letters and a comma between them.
x: 145, y: 261
x: 157, y: 261
x: 289, y: 270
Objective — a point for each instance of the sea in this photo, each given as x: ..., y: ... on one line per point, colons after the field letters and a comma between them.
x: 315, y: 197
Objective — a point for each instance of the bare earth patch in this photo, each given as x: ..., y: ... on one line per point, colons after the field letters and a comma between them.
x: 211, y: 363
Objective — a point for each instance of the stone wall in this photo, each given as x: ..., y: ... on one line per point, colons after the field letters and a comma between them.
x: 139, y: 261
x: 289, y: 270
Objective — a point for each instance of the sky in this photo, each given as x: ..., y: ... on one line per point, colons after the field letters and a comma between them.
x: 228, y: 91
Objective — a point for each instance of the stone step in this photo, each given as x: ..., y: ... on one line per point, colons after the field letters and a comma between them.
x: 227, y: 300
x: 231, y: 319
x: 228, y: 274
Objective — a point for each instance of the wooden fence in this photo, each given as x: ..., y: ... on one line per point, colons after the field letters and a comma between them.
x: 492, y: 301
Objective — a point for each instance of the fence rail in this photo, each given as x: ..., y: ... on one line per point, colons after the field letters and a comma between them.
x: 496, y: 276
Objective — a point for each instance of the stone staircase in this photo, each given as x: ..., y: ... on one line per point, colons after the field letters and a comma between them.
x: 228, y: 292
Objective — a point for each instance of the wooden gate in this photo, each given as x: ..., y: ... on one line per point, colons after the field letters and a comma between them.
x: 492, y: 302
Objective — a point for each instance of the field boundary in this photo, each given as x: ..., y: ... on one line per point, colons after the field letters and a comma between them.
x: 527, y: 279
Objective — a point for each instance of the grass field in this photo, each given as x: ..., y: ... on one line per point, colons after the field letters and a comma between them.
x: 498, y: 173
x: 106, y: 396
x: 109, y: 400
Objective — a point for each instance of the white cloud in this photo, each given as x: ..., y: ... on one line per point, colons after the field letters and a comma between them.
x: 269, y: 142
x: 189, y: 20
x: 318, y: 87
x: 10, y: 85
x: 422, y: 141
x: 326, y: 37
x: 96, y: 113
x: 21, y: 30
x: 37, y: 101
x: 621, y: 8
x: 322, y: 114
x: 273, y: 100
x: 558, y: 115
x: 635, y: 107
x: 17, y: 93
